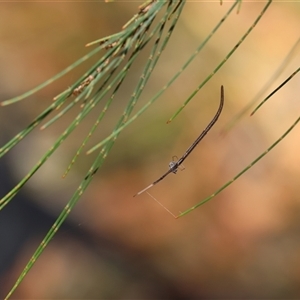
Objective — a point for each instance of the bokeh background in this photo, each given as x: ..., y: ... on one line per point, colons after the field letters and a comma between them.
x: 245, y: 243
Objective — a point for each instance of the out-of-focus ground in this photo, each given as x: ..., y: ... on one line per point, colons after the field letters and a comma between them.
x: 245, y: 243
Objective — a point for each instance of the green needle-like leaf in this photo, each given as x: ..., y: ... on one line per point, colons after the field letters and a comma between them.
x: 221, y: 64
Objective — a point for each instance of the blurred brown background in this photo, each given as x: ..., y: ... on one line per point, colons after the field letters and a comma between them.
x: 244, y: 243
